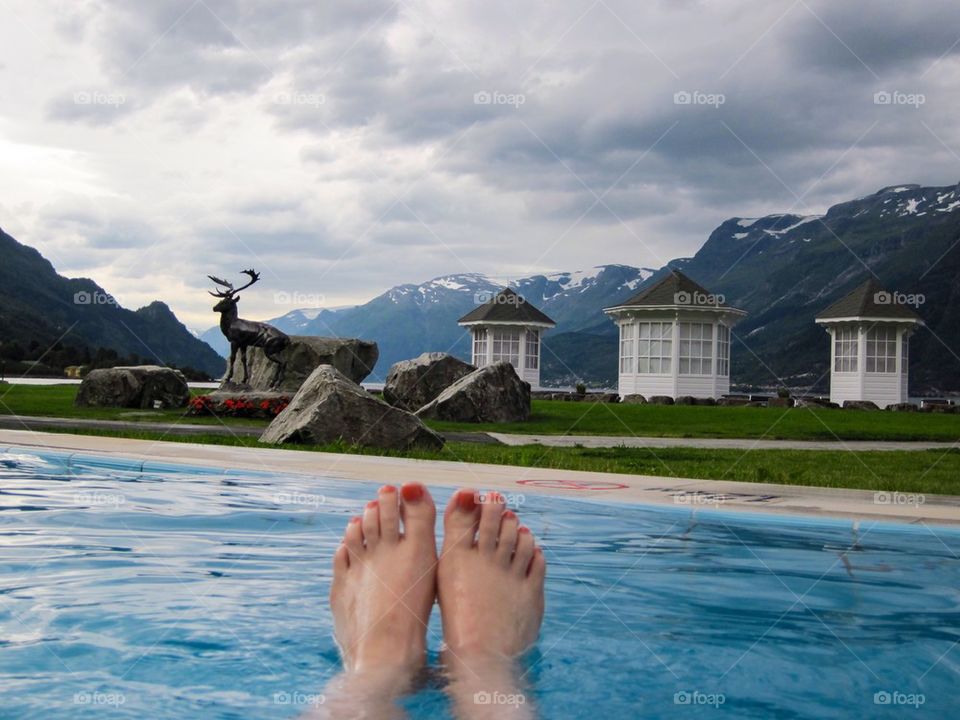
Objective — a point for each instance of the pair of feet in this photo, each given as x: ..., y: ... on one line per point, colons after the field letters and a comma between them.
x: 488, y: 580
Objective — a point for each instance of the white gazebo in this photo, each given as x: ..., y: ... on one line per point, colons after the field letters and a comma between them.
x: 674, y: 340
x: 869, y: 345
x: 507, y: 327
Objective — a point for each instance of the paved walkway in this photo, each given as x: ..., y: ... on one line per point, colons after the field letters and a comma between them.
x: 695, y: 495
x: 598, y: 441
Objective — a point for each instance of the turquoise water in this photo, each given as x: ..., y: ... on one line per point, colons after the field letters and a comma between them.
x: 167, y: 592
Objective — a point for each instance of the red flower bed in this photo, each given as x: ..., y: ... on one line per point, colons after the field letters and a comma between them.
x: 237, y: 406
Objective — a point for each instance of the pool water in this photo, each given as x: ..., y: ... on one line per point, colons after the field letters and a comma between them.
x: 151, y: 591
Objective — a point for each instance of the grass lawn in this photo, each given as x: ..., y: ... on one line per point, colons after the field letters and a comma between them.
x: 927, y: 472
x: 555, y: 417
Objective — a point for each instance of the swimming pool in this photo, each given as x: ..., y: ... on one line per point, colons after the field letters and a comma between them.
x: 163, y: 591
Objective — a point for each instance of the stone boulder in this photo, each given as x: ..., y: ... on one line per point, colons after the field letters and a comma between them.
x: 859, y: 405
x: 491, y: 394
x: 329, y: 407
x: 634, y: 400
x: 138, y: 386
x: 411, y: 384
x: 354, y: 358
x: 780, y: 402
x: 660, y: 400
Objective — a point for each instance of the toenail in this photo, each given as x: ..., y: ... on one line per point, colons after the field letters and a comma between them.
x: 509, y: 515
x: 354, y: 520
x: 372, y: 504
x: 466, y: 501
x: 412, y: 492
x: 388, y: 489
x: 523, y: 529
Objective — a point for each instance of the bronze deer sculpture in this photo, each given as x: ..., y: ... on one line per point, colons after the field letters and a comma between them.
x: 247, y: 333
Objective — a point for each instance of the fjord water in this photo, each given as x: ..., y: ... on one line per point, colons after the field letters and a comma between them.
x: 166, y: 593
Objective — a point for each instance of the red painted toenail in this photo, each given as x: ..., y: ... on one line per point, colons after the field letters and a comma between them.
x: 412, y: 492
x: 466, y: 501
x: 354, y: 520
x: 509, y: 515
x: 523, y: 529
x: 388, y: 489
x: 372, y: 504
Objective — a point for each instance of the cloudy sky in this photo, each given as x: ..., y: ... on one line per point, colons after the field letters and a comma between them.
x: 345, y: 147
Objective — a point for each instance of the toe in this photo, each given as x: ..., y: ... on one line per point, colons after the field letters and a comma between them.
x: 418, y: 512
x: 353, y: 538
x: 460, y: 520
x: 492, y: 508
x: 371, y: 523
x: 389, y: 514
x: 341, y: 560
x: 508, y: 537
x: 538, y: 569
x: 524, y: 552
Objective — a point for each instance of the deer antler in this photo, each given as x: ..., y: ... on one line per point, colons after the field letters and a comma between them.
x: 253, y: 275
x: 222, y: 283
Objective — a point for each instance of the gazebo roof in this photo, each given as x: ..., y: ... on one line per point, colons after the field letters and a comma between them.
x: 507, y: 306
x: 676, y: 290
x: 866, y: 301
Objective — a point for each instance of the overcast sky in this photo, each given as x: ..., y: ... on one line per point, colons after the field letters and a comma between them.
x: 345, y: 147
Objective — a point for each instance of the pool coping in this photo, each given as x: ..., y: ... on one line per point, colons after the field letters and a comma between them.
x: 701, y: 495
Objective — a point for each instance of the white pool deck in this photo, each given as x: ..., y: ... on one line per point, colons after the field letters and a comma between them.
x: 702, y: 495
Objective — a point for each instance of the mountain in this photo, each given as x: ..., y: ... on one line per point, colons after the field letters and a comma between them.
x: 782, y: 269
x: 40, y: 308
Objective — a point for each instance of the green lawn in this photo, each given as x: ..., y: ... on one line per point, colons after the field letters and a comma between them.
x: 554, y: 417
x: 928, y: 472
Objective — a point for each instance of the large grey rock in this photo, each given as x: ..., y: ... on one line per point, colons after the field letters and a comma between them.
x: 137, y: 386
x: 411, y: 384
x: 330, y: 407
x: 491, y: 394
x: 354, y: 358
x: 634, y: 399
x: 859, y: 405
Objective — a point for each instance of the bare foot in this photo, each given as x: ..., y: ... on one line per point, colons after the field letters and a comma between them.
x: 490, y: 587
x: 384, y: 583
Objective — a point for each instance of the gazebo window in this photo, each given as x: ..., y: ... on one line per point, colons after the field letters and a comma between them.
x: 506, y: 346
x: 480, y: 347
x: 696, y: 348
x: 532, y: 351
x: 882, y: 350
x: 628, y: 356
x: 845, y: 349
x: 904, y: 354
x: 723, y: 350
x: 654, y: 347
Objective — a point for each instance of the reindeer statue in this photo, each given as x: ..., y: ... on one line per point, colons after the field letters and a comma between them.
x: 247, y: 333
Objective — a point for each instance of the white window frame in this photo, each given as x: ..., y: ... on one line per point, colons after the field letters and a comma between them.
x: 904, y: 354
x: 506, y: 346
x: 654, y: 348
x: 531, y: 358
x: 846, y: 349
x: 881, y: 357
x: 480, y: 347
x: 628, y: 348
x: 723, y: 350
x: 696, y: 349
